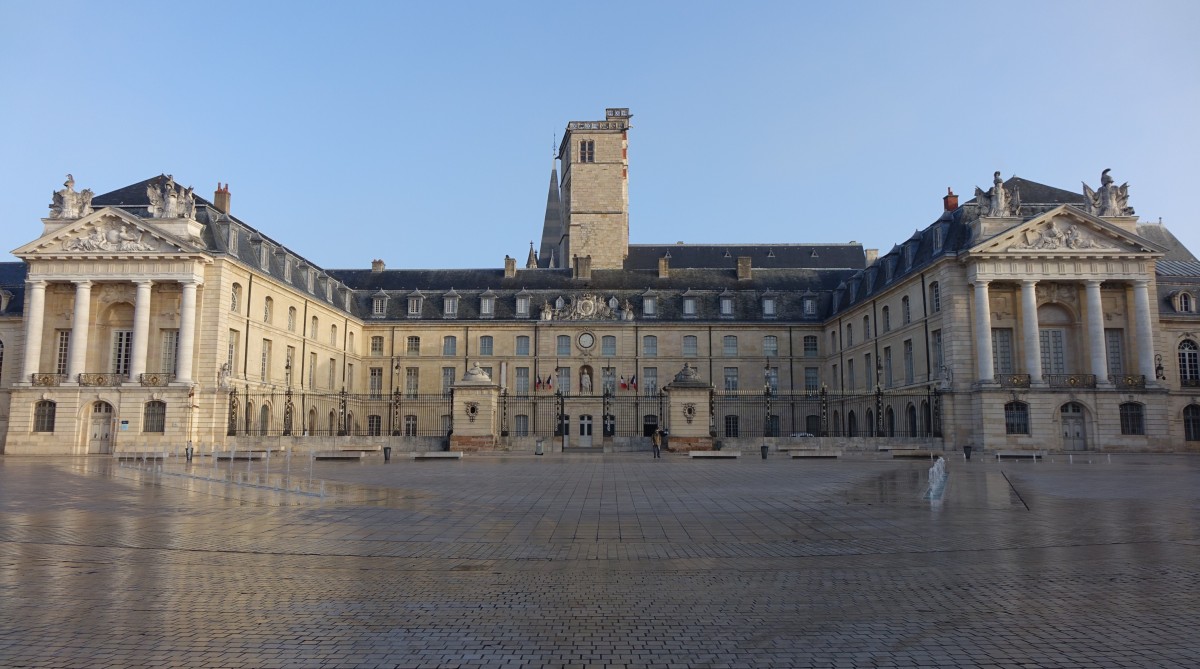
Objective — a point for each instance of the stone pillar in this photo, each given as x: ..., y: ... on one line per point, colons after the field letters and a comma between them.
x: 1031, y: 341
x: 689, y: 418
x: 35, y: 312
x: 1095, y: 325
x: 77, y: 359
x: 476, y: 412
x: 187, y: 333
x: 141, y: 330
x: 985, y: 370
x: 1145, y: 333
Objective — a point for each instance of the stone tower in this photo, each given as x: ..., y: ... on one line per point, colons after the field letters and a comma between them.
x: 595, y: 190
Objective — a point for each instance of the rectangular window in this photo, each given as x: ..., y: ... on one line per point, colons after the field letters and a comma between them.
x: 649, y: 306
x: 332, y: 373
x: 729, y: 345
x: 887, y: 319
x: 414, y: 307
x: 810, y: 346
x: 731, y: 426
x: 374, y: 425
x: 849, y: 335
x: 812, y: 379
x: 650, y: 380
x: 908, y: 362
x: 522, y: 383
x: 689, y: 346
x: 731, y: 379
x: 772, y: 380
x: 410, y: 426
x: 768, y: 307
x: 522, y: 345
x: 608, y: 345
x: 450, y: 307
x: 726, y: 307
x: 154, y: 418
x: 121, y: 359
x: 905, y: 310
x: 312, y: 370
x: 868, y: 371
x: 1002, y: 351
x: 521, y: 423
x: 851, y: 374
x: 375, y: 381
x: 523, y: 307
x: 43, y: 416
x: 887, y: 367
x: 289, y: 363
x: 376, y: 345
x: 450, y: 345
x: 291, y: 321
x: 689, y: 307
x: 939, y: 355
x: 1016, y: 418
x: 1113, y: 340
x: 265, y: 363
x: 447, y: 379
x: 650, y: 346
x: 485, y: 345
x: 1053, y: 351
x: 378, y: 306
x: 412, y: 381
x: 62, y: 352
x: 587, y: 151
x: 810, y: 307
x: 771, y: 346
x: 1132, y: 420
x: 563, y: 345
x: 414, y: 346
x: 487, y: 307
x: 609, y: 380
x: 935, y: 297
x: 564, y: 380
x: 349, y: 378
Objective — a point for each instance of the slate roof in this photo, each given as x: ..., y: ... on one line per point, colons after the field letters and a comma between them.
x: 12, y: 279
x: 764, y: 256
x: 1033, y: 192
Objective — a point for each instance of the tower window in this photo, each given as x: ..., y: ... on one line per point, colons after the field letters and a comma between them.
x: 587, y: 151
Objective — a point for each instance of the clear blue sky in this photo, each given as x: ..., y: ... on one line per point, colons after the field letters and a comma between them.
x: 421, y: 133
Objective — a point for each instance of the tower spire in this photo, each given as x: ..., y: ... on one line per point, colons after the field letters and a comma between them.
x: 552, y: 224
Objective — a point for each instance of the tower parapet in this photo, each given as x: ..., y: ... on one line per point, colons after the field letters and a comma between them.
x: 595, y: 189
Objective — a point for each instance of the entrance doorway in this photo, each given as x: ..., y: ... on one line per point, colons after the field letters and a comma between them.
x: 585, y: 431
x: 100, y: 428
x: 1074, y: 427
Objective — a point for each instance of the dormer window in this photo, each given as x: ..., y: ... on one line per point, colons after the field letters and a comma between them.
x: 1185, y: 303
x: 233, y: 240
x: 264, y: 256
x: 415, y: 303
x: 689, y: 307
x: 650, y: 306
x: 487, y: 307
x: 809, y: 306
x: 523, y: 300
x: 908, y: 256
x: 768, y: 307
x: 287, y: 270
x: 937, y: 239
x: 379, y: 304
x: 328, y: 289
x: 311, y: 280
x: 450, y: 306
x: 726, y: 306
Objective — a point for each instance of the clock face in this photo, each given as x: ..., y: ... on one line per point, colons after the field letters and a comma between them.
x: 586, y: 341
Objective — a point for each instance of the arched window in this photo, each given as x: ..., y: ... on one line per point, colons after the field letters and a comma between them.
x: 235, y: 298
x: 1191, y: 422
x: 889, y: 419
x: 849, y: 334
x: 729, y: 344
x: 43, y: 416
x: 333, y: 335
x: 935, y: 297
x: 905, y: 310
x: 1, y: 362
x: 1016, y: 418
x: 264, y: 419
x: 449, y: 345
x: 866, y: 328
x: 268, y: 309
x: 313, y: 330
x: 291, y: 324
x: 649, y: 346
x: 770, y: 346
x: 1189, y: 363
x: 851, y: 424
x: 1133, y: 420
x: 350, y: 343
x: 154, y: 418
x: 1187, y: 304
x: 912, y: 420
x: 485, y: 345
x: 887, y: 319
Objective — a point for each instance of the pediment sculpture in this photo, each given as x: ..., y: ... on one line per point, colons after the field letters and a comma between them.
x: 1051, y: 237
x: 112, y: 236
x: 585, y: 307
x: 1110, y: 200
x: 170, y: 200
x: 998, y: 201
x: 66, y: 204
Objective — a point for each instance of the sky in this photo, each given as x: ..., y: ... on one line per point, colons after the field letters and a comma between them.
x: 422, y: 133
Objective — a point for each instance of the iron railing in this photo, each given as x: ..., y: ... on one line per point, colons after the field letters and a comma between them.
x: 42, y: 379
x: 156, y: 379
x: 1070, y: 380
x: 826, y: 414
x: 101, y: 379
x: 1014, y: 380
x: 301, y: 414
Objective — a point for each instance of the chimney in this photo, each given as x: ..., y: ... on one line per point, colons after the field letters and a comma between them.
x: 950, y: 201
x: 583, y: 268
x: 510, y: 267
x: 377, y: 266
x: 872, y: 255
x: 664, y: 266
x: 221, y: 198
x: 743, y: 268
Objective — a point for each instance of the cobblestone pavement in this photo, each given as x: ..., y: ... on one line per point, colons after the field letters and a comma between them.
x: 601, y: 561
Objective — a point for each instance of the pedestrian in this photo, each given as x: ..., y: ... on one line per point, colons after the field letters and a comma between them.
x: 655, y: 441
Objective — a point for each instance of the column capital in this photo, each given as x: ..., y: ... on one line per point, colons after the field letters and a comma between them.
x: 82, y: 283
x: 980, y: 282
x: 1140, y: 283
x: 1093, y: 282
x: 37, y: 283
x: 143, y: 282
x: 1029, y: 282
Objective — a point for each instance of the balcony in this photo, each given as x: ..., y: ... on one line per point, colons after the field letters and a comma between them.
x: 156, y: 379
x: 40, y: 379
x: 1070, y: 380
x: 1013, y: 380
x: 1128, y: 381
x: 1189, y: 383
x: 101, y: 379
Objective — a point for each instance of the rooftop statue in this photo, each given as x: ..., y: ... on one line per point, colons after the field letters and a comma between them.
x: 169, y: 200
x: 66, y: 204
x: 1110, y: 200
x: 998, y: 201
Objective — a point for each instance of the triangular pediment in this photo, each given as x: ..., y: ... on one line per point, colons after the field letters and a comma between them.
x: 108, y: 232
x: 1065, y: 230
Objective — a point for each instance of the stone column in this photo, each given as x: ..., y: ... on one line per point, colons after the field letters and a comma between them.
x: 985, y: 370
x: 35, y: 311
x: 1095, y: 325
x: 141, y: 330
x: 77, y: 359
x: 1031, y: 341
x: 1145, y: 334
x: 187, y: 333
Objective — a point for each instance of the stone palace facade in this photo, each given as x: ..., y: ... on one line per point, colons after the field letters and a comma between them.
x: 1028, y: 318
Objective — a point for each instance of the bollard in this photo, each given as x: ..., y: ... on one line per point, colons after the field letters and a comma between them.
x: 387, y: 453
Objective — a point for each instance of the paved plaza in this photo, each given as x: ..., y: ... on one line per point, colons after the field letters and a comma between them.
x: 600, y: 561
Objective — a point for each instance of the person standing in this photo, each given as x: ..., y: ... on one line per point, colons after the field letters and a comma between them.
x: 656, y: 442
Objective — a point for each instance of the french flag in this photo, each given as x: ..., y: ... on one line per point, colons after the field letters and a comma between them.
x: 549, y: 382
x: 538, y: 385
x: 633, y: 382
x: 624, y: 386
